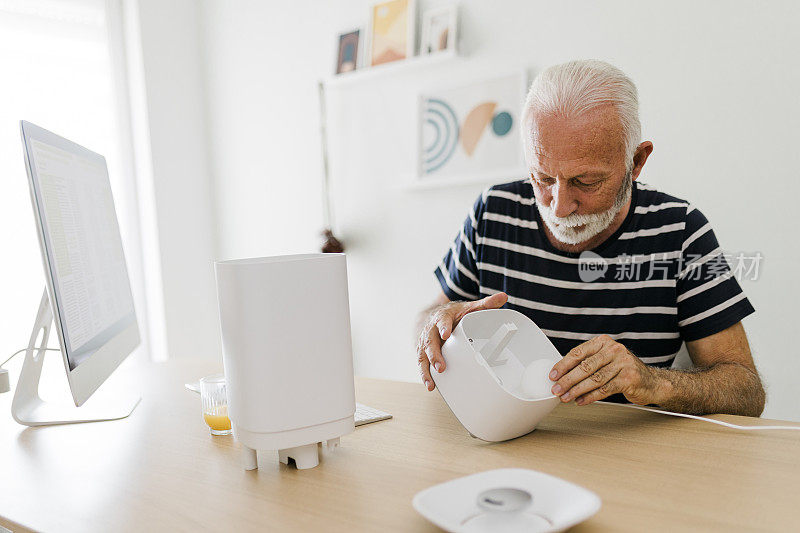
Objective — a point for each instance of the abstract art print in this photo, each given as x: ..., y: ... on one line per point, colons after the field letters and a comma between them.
x: 347, y: 59
x: 438, y: 30
x: 391, y: 31
x: 471, y: 133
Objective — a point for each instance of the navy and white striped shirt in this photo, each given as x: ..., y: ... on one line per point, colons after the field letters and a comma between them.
x: 661, y: 277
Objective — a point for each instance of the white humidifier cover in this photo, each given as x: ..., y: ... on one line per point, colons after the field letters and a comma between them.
x: 287, y: 349
x: 496, y: 378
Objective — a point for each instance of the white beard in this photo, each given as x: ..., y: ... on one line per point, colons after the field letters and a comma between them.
x: 564, y: 228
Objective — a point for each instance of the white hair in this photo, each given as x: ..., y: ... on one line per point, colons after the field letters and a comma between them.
x: 573, y: 88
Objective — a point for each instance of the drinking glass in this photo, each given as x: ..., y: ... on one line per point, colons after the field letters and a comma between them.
x: 215, y: 404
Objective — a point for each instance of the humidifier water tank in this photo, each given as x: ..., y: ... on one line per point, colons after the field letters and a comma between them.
x: 496, y: 378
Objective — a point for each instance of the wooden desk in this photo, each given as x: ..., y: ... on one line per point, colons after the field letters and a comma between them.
x: 162, y: 470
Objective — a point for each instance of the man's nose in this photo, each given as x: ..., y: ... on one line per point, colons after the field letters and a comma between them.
x: 563, y: 203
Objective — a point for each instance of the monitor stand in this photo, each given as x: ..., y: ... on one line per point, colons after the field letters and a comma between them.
x: 29, y: 409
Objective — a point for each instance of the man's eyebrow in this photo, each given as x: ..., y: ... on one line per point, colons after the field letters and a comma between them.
x: 591, y: 173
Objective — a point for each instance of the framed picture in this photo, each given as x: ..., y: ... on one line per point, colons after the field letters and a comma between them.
x: 471, y: 133
x: 391, y: 31
x: 439, y: 30
x: 347, y: 59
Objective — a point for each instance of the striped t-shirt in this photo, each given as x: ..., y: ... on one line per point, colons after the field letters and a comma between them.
x: 659, y: 280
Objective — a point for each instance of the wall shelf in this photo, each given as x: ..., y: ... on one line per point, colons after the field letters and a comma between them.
x: 409, y: 182
x: 366, y: 73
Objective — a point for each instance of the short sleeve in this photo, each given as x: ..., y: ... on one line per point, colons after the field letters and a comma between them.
x: 709, y: 296
x: 458, y: 271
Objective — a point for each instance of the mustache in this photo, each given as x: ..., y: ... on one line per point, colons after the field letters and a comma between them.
x: 573, y: 221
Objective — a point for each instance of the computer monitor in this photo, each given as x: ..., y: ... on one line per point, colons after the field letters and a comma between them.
x: 84, y: 264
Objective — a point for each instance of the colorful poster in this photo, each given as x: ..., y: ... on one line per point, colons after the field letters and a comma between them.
x: 392, y: 31
x: 473, y: 131
x: 348, y: 52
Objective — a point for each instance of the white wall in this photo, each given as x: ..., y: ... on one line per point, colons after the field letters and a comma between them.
x: 718, y: 82
x: 170, y: 141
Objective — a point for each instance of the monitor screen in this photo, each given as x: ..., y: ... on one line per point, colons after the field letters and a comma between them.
x: 72, y: 196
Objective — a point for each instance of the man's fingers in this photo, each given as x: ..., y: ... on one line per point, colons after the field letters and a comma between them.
x: 495, y: 301
x: 433, y: 350
x: 431, y: 356
x: 445, y: 326
x: 595, y: 380
x: 434, y: 355
x: 425, y: 373
x: 578, y: 354
x: 424, y: 367
x: 423, y: 359
x: 613, y: 386
x: 585, y: 368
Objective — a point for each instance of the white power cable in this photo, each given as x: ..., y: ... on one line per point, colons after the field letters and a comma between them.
x: 25, y: 350
x: 702, y: 418
x: 5, y: 386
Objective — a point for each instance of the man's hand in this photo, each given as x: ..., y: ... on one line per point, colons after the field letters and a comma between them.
x: 440, y: 325
x: 601, y: 367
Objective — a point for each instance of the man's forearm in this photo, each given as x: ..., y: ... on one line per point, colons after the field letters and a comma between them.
x: 729, y: 388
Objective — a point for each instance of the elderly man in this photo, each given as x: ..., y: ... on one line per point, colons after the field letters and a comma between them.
x: 659, y: 276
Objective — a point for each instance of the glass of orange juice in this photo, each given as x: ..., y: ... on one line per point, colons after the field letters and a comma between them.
x: 215, y: 404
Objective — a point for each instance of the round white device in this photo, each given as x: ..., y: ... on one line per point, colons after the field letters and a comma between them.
x: 496, y: 377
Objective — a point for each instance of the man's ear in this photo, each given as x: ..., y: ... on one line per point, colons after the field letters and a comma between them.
x: 643, y: 151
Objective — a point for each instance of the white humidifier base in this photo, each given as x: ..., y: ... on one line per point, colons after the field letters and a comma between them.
x: 302, y: 445
x: 506, y: 500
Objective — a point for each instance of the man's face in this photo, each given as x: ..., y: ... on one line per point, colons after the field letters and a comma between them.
x: 578, y: 172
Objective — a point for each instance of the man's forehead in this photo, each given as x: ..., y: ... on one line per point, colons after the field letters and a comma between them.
x: 595, y: 137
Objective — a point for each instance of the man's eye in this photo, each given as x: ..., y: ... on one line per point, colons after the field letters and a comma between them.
x: 587, y: 184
